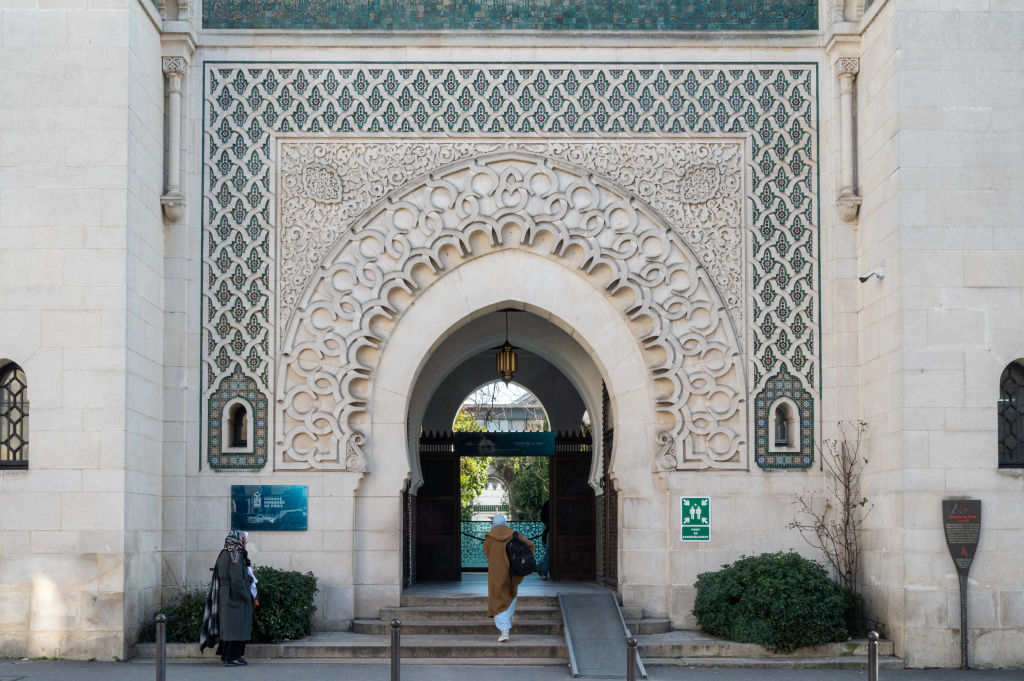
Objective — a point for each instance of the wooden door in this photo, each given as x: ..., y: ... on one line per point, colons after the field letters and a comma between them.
x: 438, y: 545
x: 573, y: 545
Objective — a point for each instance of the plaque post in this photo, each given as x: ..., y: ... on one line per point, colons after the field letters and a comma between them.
x: 961, y: 520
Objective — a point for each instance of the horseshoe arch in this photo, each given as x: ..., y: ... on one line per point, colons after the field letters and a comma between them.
x: 510, y: 200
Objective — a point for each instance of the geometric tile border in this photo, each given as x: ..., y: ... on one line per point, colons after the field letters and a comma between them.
x: 248, y: 104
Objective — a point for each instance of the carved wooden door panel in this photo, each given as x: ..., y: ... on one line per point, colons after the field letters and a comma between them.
x: 573, y: 546
x: 438, y: 547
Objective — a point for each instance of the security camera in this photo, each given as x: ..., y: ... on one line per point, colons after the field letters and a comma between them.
x: 877, y: 272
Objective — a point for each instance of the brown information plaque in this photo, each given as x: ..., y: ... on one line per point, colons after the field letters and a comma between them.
x: 961, y: 520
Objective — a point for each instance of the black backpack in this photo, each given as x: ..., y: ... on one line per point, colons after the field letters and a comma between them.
x: 520, y: 557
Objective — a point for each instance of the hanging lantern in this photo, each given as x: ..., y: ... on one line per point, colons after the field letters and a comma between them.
x: 506, y: 362
x: 506, y: 359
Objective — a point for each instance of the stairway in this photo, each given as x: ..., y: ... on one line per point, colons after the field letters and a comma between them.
x: 465, y: 631
x: 455, y: 629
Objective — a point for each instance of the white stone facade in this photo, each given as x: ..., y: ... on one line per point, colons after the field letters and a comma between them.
x: 908, y: 157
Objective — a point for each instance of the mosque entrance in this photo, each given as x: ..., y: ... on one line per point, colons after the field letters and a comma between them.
x: 546, y: 472
x: 448, y: 543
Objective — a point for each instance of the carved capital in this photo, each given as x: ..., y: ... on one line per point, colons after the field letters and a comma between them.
x: 174, y: 71
x: 174, y: 65
x: 847, y: 66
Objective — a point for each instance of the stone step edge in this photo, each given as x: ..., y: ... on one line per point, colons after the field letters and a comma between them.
x: 473, y: 598
x: 854, y: 662
x: 456, y: 622
x: 467, y: 608
x: 410, y: 662
x: 716, y: 647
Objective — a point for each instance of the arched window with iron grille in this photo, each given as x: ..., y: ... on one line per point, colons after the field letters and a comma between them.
x: 13, y: 417
x: 1011, y: 416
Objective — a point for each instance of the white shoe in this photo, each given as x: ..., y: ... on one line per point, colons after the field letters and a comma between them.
x: 504, y: 636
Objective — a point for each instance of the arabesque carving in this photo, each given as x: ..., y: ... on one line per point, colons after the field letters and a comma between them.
x: 695, y: 186
x: 465, y: 210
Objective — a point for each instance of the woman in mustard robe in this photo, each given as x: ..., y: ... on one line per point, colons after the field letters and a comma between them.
x: 502, y: 585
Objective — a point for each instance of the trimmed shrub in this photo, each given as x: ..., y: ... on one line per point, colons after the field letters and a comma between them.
x: 286, y: 605
x: 285, y: 610
x: 781, y: 601
x: 184, y: 619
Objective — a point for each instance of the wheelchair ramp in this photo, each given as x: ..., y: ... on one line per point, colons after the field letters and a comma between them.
x: 595, y: 634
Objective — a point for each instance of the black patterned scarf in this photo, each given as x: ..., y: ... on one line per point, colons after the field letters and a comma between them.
x: 234, y: 544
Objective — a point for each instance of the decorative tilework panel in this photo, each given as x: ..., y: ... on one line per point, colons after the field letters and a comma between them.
x: 774, y: 105
x: 505, y: 15
x: 237, y: 385
x: 782, y: 385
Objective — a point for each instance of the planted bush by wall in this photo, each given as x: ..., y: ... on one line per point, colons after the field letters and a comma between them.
x: 286, y: 605
x: 285, y: 610
x: 781, y: 601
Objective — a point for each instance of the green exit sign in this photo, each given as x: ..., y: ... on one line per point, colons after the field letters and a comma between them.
x: 696, y: 516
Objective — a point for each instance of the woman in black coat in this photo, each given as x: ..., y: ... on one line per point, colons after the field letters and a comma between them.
x: 234, y: 602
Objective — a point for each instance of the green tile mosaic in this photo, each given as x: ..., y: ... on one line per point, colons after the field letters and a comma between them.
x: 505, y: 15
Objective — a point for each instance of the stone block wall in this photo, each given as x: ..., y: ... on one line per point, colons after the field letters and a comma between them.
x: 145, y: 320
x: 878, y: 327
x: 943, y: 150
x: 66, y: 260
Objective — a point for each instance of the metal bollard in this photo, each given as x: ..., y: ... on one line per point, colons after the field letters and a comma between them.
x: 161, y: 647
x: 630, y: 659
x: 872, y: 656
x: 396, y: 643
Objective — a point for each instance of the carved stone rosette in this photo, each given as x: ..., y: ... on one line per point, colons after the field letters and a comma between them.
x: 507, y: 199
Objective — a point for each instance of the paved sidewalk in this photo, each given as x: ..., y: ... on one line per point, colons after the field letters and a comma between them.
x: 273, y: 670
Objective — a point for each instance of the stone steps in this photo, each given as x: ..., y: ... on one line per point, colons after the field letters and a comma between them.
x: 431, y: 601
x: 695, y: 644
x: 456, y: 630
x: 350, y: 645
x: 457, y: 627
x: 648, y: 626
x: 839, y: 662
x: 449, y: 613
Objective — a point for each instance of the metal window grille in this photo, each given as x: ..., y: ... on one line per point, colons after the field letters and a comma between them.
x: 13, y: 417
x: 1011, y: 417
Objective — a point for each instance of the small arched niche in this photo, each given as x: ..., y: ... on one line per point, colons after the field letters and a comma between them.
x: 237, y: 430
x: 783, y: 426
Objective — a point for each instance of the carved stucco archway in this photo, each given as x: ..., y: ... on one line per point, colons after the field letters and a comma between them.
x: 515, y: 201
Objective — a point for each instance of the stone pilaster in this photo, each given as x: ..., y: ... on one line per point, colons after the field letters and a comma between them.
x: 848, y: 203
x: 172, y: 201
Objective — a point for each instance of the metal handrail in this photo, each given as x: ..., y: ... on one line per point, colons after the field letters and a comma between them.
x: 629, y: 636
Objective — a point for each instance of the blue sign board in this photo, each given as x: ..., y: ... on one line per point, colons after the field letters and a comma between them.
x: 269, y: 507
x: 504, y: 444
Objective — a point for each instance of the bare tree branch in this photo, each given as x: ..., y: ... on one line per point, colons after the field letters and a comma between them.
x: 833, y: 527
